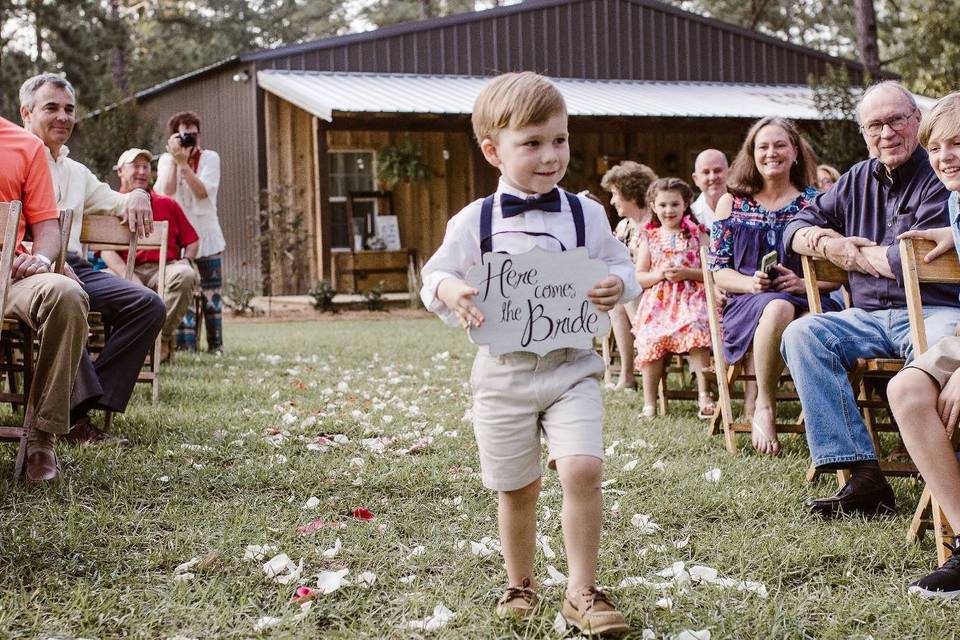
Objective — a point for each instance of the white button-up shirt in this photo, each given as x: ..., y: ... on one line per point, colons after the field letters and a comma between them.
x: 75, y: 187
x: 202, y: 213
x: 705, y: 215
x: 461, y: 244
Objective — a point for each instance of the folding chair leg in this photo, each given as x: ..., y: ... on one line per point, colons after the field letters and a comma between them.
x: 941, y: 531
x: 662, y: 393
x: 921, y: 518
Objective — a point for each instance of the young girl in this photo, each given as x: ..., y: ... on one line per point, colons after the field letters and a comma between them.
x: 672, y: 315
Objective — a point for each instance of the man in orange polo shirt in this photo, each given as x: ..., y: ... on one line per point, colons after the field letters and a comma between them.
x: 53, y: 305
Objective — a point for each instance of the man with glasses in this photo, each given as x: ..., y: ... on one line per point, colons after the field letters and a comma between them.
x: 855, y: 225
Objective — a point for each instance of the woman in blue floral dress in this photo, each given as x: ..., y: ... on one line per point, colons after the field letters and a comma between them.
x: 769, y: 184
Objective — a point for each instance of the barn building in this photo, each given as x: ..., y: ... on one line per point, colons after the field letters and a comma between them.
x: 306, y: 131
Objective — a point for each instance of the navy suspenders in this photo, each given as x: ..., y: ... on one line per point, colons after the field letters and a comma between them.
x: 486, y: 224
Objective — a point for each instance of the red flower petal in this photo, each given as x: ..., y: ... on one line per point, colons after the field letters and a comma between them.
x: 362, y: 513
x: 307, y: 529
x: 303, y: 594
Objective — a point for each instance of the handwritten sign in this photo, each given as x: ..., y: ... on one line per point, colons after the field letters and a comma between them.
x: 537, y: 301
x: 389, y: 229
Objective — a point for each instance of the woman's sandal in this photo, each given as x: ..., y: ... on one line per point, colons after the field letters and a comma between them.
x: 648, y: 411
x: 708, y: 407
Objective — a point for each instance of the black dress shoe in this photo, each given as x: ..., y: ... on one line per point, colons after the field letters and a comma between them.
x: 85, y: 434
x: 868, y: 501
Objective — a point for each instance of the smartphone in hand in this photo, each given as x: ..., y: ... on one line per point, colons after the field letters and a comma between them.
x: 766, y: 264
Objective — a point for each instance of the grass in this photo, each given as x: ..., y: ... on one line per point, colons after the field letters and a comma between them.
x: 94, y: 556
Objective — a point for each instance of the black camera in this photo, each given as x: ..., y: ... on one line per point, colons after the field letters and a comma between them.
x: 187, y: 139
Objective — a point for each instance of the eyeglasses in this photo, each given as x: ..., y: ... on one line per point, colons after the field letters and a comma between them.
x: 897, y: 123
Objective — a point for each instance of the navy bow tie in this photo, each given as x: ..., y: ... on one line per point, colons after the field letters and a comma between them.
x: 514, y: 206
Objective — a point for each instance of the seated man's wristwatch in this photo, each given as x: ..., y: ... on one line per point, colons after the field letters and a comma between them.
x: 44, y: 259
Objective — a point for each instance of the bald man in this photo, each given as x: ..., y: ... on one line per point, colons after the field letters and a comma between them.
x: 710, y: 175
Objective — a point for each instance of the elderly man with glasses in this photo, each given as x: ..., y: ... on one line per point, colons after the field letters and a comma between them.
x: 855, y: 225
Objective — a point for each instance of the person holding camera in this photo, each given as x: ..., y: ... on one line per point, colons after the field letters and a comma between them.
x: 190, y: 175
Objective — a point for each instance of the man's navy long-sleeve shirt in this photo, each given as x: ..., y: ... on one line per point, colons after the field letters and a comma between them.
x: 868, y: 202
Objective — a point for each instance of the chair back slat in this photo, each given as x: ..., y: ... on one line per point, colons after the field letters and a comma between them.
x: 66, y: 223
x: 943, y: 269
x: 9, y: 223
x: 7, y: 211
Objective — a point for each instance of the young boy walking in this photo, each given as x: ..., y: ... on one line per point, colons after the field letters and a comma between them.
x: 520, y: 122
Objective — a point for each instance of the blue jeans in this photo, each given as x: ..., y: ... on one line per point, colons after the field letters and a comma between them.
x: 820, y: 349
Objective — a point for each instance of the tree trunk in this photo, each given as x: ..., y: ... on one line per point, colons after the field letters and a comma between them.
x: 118, y: 57
x: 866, y: 19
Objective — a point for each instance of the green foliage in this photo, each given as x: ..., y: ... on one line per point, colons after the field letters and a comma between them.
x: 239, y: 299
x: 403, y: 163
x: 323, y: 294
x: 386, y: 12
x: 373, y: 298
x: 837, y: 138
x: 99, y: 141
x: 924, y: 46
x: 75, y: 37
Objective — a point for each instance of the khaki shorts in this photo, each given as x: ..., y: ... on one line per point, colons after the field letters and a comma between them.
x: 517, y: 395
x: 940, y: 361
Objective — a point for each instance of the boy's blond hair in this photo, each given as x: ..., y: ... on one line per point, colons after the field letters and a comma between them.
x: 945, y: 116
x: 515, y: 100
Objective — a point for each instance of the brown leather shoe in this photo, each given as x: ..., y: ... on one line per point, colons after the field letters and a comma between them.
x: 518, y: 602
x: 83, y: 433
x: 592, y: 611
x: 42, y: 464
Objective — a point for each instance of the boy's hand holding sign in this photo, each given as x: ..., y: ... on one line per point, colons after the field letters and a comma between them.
x: 537, y: 301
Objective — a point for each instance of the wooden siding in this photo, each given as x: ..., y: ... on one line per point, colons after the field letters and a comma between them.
x: 668, y: 146
x: 422, y: 208
x: 604, y: 39
x: 292, y: 176
x: 228, y: 115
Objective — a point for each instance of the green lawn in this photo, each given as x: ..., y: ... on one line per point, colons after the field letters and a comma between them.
x: 95, y: 555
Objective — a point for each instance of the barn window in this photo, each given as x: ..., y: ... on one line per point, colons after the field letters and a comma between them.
x: 351, y: 171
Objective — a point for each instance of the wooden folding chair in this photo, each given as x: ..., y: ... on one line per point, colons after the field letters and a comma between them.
x: 866, y: 378
x: 944, y: 269
x: 107, y: 233
x: 9, y: 224
x: 727, y: 374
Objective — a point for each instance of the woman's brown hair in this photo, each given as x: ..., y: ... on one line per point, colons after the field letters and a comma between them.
x: 745, y: 178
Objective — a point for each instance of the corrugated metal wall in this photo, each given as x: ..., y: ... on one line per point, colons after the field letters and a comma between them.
x: 228, y: 112
x: 605, y: 39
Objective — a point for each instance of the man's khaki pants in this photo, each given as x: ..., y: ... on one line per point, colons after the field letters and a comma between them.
x: 55, y: 307
x: 181, y: 280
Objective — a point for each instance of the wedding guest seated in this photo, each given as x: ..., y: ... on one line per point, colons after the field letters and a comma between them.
x: 134, y: 313
x: 925, y: 396
x: 710, y: 173
x: 627, y: 183
x: 181, y: 279
x: 827, y: 176
x: 52, y: 305
x: 770, y: 182
x: 855, y: 226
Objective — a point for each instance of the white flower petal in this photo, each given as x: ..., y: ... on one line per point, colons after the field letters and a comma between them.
x: 330, y: 581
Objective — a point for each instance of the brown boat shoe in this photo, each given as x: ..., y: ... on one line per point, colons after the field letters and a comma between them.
x: 518, y: 601
x: 593, y: 612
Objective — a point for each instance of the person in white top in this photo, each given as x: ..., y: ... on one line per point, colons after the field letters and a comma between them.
x: 710, y: 171
x: 190, y: 175
x: 133, y: 312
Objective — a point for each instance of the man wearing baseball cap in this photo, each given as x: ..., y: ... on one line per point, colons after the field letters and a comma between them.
x: 181, y: 278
